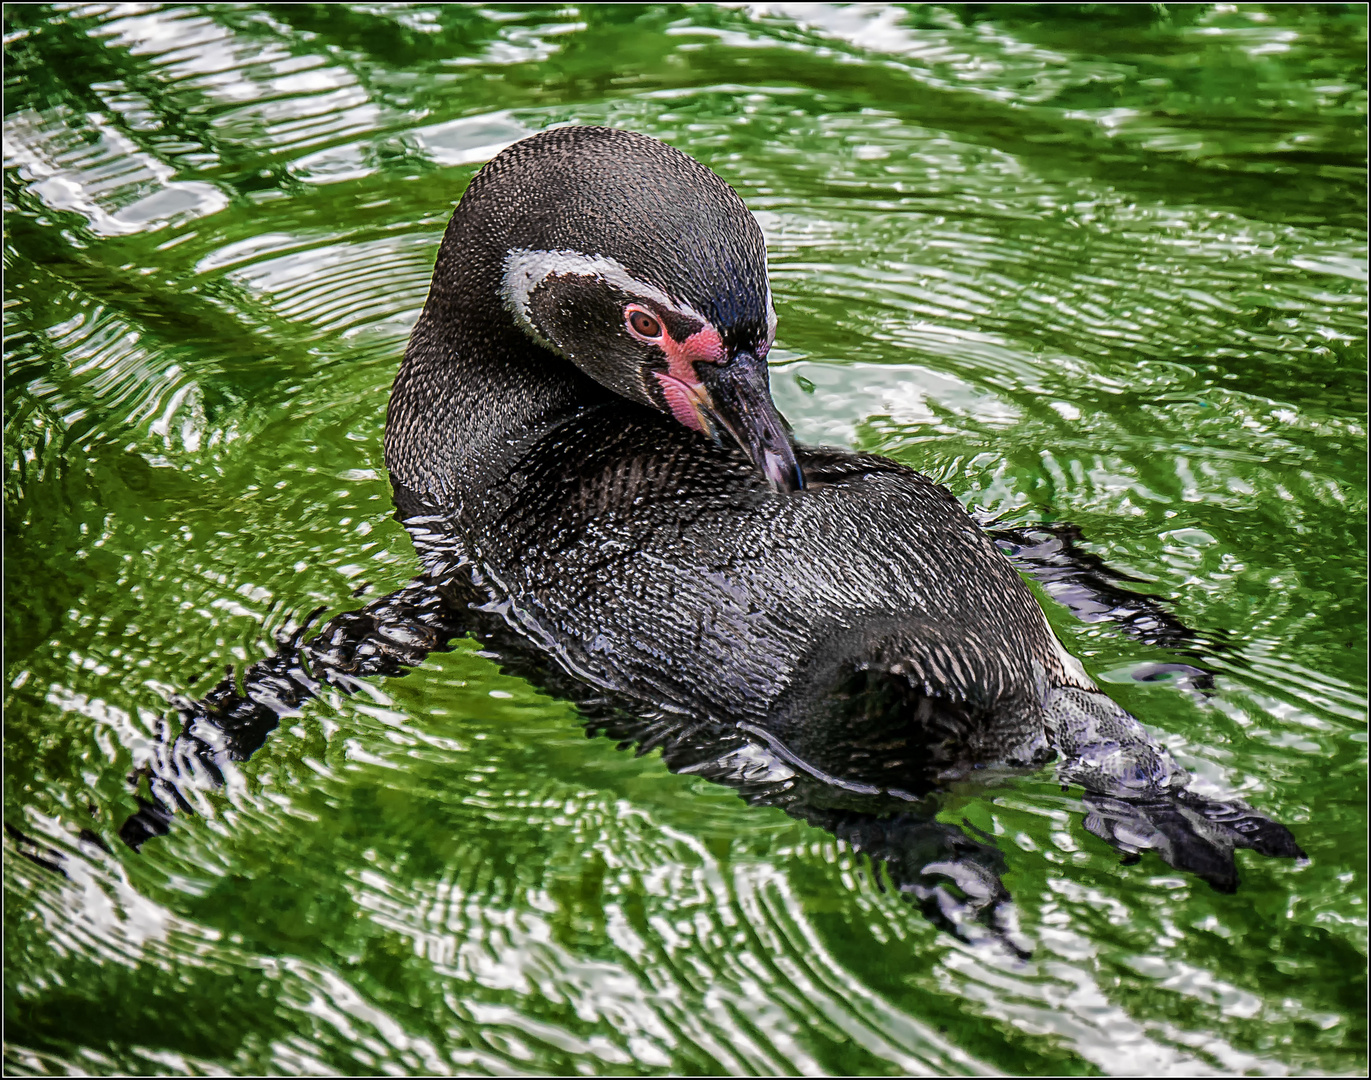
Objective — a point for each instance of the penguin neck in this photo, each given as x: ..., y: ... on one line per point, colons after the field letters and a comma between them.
x: 472, y: 392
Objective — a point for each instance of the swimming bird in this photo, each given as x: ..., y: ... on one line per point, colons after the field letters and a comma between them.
x: 583, y: 445
x: 584, y: 408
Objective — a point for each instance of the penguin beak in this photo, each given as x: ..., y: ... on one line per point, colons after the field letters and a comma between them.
x: 736, y: 396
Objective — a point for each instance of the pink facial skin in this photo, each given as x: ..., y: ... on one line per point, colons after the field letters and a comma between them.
x: 680, y: 400
x: 680, y: 385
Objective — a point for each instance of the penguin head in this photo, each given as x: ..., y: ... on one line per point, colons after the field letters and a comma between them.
x: 631, y: 260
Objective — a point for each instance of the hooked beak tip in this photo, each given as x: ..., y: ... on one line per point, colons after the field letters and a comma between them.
x: 782, y: 471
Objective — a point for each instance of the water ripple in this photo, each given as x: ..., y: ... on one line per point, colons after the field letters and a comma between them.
x: 1104, y: 267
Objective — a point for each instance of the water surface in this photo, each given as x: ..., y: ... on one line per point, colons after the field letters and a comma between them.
x: 1094, y: 265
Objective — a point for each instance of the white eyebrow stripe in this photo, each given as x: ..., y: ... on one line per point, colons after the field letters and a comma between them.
x: 526, y: 269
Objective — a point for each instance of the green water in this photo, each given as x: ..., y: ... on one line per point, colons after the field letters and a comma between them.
x: 1087, y: 264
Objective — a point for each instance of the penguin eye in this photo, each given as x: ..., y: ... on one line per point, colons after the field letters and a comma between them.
x: 643, y: 325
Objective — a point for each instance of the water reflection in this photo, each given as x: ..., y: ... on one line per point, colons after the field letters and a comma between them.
x: 192, y: 470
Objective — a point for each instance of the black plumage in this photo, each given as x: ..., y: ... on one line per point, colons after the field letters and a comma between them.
x: 650, y: 560
x: 829, y: 633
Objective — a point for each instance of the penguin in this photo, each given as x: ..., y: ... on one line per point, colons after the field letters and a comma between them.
x: 584, y: 413
x: 583, y: 446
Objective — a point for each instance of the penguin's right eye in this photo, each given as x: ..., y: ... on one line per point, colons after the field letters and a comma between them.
x: 643, y: 325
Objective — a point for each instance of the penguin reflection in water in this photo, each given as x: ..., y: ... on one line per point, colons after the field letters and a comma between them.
x: 583, y: 446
